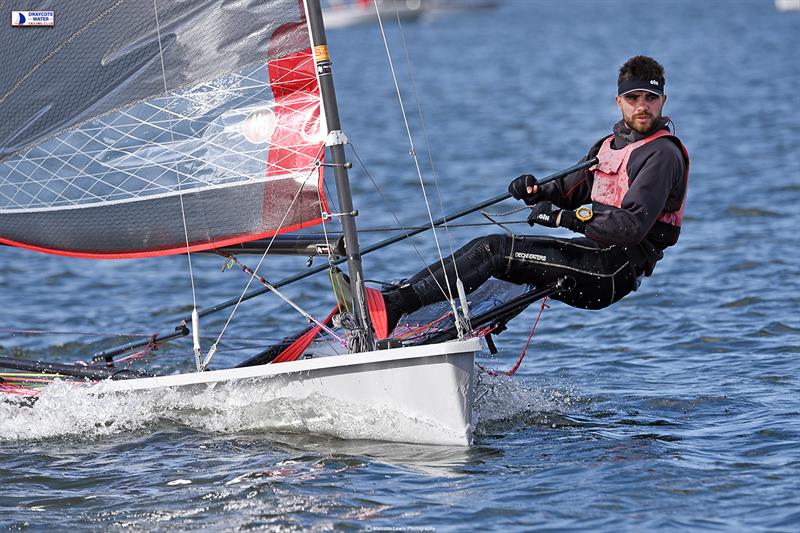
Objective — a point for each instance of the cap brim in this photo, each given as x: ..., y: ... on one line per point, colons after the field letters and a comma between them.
x: 659, y: 93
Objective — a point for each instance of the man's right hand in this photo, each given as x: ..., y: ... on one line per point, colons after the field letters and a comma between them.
x: 524, y: 188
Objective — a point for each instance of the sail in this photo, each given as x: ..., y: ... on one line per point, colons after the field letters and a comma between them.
x: 130, y: 129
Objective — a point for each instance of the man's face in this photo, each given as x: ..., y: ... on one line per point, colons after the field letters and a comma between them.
x: 641, y: 109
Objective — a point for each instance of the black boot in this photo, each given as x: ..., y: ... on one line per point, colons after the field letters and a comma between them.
x: 399, y: 301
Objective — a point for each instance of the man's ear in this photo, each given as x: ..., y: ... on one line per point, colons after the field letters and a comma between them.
x: 618, y: 100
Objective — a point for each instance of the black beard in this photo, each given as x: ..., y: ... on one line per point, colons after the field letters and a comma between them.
x: 653, y: 125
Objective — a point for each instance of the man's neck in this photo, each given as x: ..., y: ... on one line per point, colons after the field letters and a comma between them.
x: 624, y: 135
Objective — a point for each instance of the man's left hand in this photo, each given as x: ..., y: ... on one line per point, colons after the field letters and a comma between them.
x: 544, y: 214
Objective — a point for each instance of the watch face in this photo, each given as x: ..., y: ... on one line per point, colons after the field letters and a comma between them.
x: 583, y: 214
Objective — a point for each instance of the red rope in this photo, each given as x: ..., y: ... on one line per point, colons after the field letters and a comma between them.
x: 17, y: 389
x: 152, y: 346
x: 524, y: 349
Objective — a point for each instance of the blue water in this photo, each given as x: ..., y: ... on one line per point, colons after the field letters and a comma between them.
x: 678, y: 409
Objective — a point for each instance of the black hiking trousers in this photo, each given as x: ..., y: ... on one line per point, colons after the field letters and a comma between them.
x: 602, y: 273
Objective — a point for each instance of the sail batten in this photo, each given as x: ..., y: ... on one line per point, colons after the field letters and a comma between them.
x: 242, y: 148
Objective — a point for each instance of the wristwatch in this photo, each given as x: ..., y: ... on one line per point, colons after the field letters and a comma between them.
x: 584, y: 214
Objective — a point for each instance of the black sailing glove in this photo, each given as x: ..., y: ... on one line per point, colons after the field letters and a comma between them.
x: 546, y: 214
x: 519, y: 189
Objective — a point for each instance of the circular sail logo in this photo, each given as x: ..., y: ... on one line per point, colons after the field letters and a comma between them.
x: 259, y: 125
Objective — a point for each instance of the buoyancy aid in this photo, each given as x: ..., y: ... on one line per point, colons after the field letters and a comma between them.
x: 611, y: 180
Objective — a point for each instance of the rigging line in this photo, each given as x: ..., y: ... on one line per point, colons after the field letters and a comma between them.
x: 413, y: 152
x: 283, y: 297
x: 129, y: 334
x: 338, y: 292
x: 394, y: 214
x: 195, y: 320
x: 213, y: 348
x: 425, y: 136
x: 322, y: 215
x: 426, y: 139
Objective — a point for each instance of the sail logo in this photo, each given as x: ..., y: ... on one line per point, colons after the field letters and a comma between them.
x: 259, y: 126
x: 32, y: 18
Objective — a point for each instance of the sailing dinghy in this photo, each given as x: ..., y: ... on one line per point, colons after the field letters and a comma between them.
x: 341, y: 14
x: 135, y: 129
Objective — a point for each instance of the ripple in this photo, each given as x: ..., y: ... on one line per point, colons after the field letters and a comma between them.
x: 742, y: 302
x: 748, y: 212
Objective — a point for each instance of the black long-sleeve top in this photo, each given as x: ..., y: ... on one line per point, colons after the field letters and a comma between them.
x: 656, y: 178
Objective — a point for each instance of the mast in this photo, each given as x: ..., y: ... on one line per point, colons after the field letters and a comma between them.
x: 336, y: 141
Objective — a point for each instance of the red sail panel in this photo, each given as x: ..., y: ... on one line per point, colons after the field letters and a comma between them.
x: 295, y: 144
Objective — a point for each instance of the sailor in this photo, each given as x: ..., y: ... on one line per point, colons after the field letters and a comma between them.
x: 637, y: 192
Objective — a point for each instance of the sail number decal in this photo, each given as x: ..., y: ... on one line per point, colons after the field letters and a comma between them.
x: 322, y: 59
x: 321, y: 53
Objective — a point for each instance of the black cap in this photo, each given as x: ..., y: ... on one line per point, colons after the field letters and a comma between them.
x: 635, y: 84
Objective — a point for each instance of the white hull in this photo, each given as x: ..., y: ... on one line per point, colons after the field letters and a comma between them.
x: 430, y: 386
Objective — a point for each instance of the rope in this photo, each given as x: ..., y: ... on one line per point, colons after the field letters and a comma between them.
x: 282, y: 296
x: 514, y: 369
x: 462, y: 321
x: 120, y: 334
x: 18, y: 390
x: 178, y: 176
x: 413, y: 152
x: 151, y: 347
x: 394, y: 214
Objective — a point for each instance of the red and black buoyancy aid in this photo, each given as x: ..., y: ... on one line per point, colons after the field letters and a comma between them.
x: 611, y: 180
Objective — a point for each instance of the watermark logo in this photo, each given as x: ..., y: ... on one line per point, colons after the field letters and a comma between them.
x: 32, y: 18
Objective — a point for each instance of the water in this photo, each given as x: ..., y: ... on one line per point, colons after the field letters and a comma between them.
x: 675, y: 410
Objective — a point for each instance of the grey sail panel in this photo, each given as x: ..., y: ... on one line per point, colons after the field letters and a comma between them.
x: 102, y: 55
x: 107, y: 154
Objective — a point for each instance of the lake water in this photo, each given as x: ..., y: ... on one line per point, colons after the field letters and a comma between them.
x: 678, y: 409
